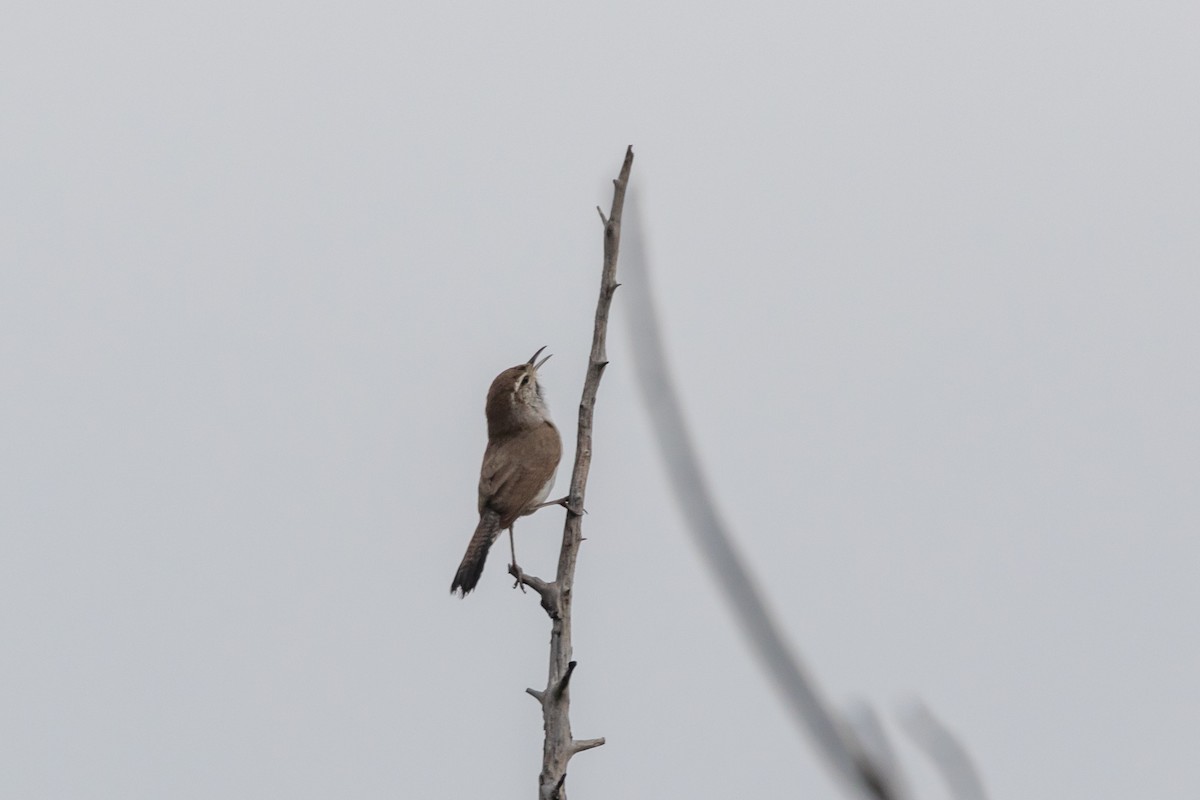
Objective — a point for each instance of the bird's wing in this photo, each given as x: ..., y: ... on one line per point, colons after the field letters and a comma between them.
x: 515, y: 469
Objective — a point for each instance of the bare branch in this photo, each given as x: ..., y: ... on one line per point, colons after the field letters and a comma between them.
x: 587, y: 744
x: 559, y: 745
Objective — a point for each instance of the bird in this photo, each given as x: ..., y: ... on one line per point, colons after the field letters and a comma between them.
x: 519, y: 464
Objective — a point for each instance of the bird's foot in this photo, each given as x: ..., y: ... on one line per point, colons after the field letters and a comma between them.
x: 518, y: 576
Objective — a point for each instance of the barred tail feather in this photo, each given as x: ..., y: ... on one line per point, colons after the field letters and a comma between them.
x: 472, y: 564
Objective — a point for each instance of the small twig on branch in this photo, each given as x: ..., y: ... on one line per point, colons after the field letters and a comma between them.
x: 559, y: 744
x: 547, y: 591
x: 566, y: 680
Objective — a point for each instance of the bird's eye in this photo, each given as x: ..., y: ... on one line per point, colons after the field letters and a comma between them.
x: 521, y: 382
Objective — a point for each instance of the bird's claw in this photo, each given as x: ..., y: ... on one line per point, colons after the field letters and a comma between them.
x: 566, y: 503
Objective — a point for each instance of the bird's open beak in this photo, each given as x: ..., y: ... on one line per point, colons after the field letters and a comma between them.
x: 533, y: 358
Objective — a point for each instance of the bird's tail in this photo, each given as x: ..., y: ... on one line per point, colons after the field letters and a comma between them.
x: 472, y: 564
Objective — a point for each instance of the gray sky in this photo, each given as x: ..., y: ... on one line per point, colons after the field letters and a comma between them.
x: 929, y: 275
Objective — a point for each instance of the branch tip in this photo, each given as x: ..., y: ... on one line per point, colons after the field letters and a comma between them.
x: 535, y: 694
x: 603, y: 219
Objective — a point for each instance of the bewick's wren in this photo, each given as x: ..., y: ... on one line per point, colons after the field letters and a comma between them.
x: 519, y: 463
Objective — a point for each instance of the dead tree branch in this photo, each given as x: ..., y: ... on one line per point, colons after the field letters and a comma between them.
x: 556, y: 597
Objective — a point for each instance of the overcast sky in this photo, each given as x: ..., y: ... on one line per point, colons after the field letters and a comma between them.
x: 929, y: 276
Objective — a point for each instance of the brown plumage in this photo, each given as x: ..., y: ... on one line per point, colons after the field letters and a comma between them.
x: 519, y: 463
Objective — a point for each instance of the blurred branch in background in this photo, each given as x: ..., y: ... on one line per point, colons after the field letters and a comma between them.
x: 859, y: 756
x: 945, y: 751
x: 868, y: 737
